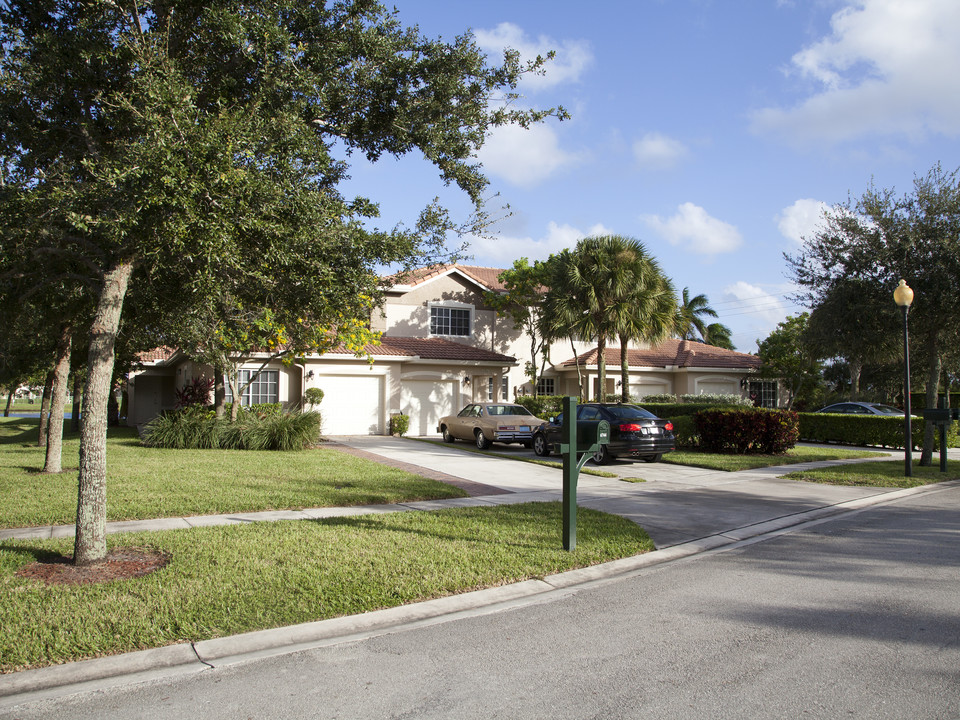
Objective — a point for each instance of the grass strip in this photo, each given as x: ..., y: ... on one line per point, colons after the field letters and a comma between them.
x: 879, y: 474
x: 733, y: 463
x: 233, y: 579
x: 520, y: 458
x: 145, y: 483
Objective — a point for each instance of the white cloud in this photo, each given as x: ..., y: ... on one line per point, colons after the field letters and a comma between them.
x: 525, y: 157
x: 658, y: 151
x: 501, y: 251
x: 761, y: 310
x: 692, y: 228
x: 801, y: 219
x: 887, y: 67
x: 572, y: 58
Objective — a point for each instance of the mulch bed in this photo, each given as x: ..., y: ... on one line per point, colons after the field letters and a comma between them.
x: 120, y: 564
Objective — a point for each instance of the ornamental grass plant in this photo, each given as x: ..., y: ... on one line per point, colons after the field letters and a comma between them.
x: 196, y: 428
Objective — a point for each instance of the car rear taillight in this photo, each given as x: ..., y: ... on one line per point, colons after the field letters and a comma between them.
x: 668, y: 427
x: 630, y: 427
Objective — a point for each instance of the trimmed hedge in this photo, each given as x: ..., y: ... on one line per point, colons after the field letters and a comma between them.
x: 671, y: 411
x: 747, y: 430
x: 874, y: 430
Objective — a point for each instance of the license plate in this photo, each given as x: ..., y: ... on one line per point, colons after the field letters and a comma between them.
x: 525, y: 428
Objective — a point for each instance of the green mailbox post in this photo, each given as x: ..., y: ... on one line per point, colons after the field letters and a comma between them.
x: 578, y: 441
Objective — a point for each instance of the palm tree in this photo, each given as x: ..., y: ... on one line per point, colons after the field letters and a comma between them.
x: 647, y: 316
x: 608, y: 286
x: 690, y: 316
x: 718, y: 335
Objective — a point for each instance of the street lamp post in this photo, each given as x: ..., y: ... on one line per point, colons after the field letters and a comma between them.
x: 903, y: 296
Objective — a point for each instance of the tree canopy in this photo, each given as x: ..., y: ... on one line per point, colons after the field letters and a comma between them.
x: 880, y: 238
x: 178, y: 154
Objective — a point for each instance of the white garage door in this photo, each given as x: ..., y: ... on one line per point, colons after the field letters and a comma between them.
x: 351, y: 404
x: 717, y: 387
x: 426, y: 401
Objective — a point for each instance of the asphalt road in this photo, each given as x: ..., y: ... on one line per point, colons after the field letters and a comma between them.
x: 857, y: 617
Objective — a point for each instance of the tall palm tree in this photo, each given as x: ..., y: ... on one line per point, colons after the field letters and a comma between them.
x: 649, y: 315
x: 606, y: 287
x: 690, y: 316
x: 718, y: 335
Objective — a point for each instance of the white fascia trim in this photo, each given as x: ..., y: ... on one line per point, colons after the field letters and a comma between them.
x: 445, y: 273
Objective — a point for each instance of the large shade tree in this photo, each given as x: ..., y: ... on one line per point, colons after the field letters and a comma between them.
x: 185, y: 151
x: 879, y: 239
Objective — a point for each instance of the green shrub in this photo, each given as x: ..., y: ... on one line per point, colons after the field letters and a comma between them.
x: 399, y: 424
x: 685, y: 431
x: 663, y: 398
x: 261, y: 409
x: 251, y: 431
x: 671, y: 411
x: 543, y: 406
x: 875, y: 430
x: 313, y: 396
x: 747, y: 430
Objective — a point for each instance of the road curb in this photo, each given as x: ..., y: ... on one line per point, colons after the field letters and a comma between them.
x: 186, y: 658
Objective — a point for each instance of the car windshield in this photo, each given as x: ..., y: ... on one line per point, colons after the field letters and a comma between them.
x: 629, y: 412
x: 507, y: 410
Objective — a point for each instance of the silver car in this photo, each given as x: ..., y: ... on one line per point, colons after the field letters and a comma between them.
x: 486, y: 423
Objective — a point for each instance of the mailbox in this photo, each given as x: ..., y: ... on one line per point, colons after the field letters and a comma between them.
x: 591, y: 433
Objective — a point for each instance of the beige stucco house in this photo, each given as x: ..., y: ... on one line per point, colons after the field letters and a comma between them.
x: 443, y: 346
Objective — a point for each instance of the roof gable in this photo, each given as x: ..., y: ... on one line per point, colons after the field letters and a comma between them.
x: 484, y: 277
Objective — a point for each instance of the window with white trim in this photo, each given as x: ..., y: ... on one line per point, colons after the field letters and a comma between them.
x: 450, y: 321
x: 505, y: 387
x: 546, y: 386
x: 763, y: 393
x: 264, y: 389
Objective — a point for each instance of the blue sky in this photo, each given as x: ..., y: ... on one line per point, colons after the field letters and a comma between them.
x: 712, y: 130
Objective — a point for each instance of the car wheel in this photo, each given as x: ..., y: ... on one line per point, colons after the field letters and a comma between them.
x: 602, y: 456
x: 447, y: 437
x: 652, y: 458
x: 482, y: 441
x: 540, y: 445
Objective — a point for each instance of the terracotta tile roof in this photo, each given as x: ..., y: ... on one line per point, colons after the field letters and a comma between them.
x: 431, y: 349
x: 158, y: 354
x: 484, y: 276
x: 673, y: 352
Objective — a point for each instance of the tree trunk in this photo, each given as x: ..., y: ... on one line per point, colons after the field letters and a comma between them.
x: 113, y: 408
x: 90, y: 546
x: 77, y: 396
x: 6, y: 411
x: 602, y: 368
x: 624, y: 371
x: 856, y: 369
x: 219, y: 392
x: 933, y: 387
x: 579, y: 374
x: 61, y: 371
x: 45, y: 410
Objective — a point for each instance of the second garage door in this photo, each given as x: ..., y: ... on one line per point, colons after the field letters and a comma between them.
x: 426, y: 401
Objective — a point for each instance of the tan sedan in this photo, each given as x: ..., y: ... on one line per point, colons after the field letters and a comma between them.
x: 485, y: 423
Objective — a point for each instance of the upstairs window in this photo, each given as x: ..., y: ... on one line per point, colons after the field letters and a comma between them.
x: 450, y: 321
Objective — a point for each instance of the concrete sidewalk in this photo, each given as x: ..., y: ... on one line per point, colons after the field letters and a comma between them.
x: 686, y: 511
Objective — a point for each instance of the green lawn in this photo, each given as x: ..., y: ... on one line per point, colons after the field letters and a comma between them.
x: 150, y: 483
x: 238, y: 578
x: 880, y: 474
x: 733, y: 463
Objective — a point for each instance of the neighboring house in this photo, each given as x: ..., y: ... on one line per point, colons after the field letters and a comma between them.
x: 442, y: 347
